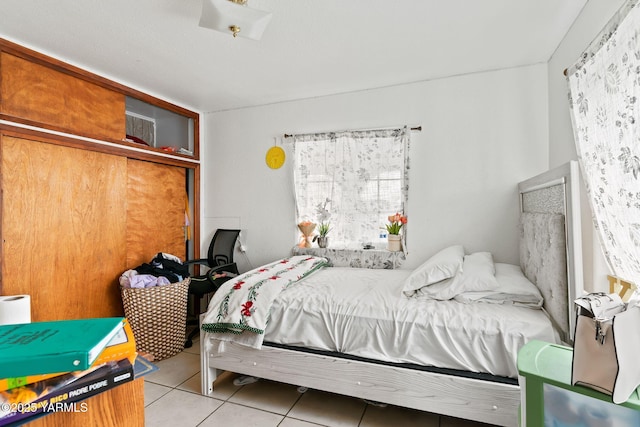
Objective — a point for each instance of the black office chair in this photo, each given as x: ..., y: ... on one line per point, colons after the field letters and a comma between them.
x: 219, y: 260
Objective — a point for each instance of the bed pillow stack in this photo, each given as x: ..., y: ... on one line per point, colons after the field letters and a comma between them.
x: 450, y: 274
x: 443, y: 265
x: 514, y: 289
x: 477, y: 274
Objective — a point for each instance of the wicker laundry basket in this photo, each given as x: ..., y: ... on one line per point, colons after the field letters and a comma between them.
x: 158, y: 317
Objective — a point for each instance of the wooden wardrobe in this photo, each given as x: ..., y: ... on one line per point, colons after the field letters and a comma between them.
x: 80, y: 204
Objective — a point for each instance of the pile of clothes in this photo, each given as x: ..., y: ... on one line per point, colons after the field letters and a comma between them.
x: 162, y: 270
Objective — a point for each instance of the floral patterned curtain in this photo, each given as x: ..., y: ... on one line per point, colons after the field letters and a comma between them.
x: 605, y: 101
x: 353, y: 181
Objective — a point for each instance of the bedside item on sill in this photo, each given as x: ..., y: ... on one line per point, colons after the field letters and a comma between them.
x: 607, y: 344
x: 321, y: 238
x: 323, y: 241
x: 306, y: 228
x: 394, y: 243
x: 368, y: 246
x: 325, y: 227
x: 393, y: 228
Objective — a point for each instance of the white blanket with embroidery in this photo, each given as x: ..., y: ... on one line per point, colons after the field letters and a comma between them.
x: 239, y: 310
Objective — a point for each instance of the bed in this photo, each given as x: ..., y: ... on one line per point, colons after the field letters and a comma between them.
x: 470, y: 369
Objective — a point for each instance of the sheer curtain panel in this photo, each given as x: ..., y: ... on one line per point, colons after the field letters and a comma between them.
x: 605, y: 103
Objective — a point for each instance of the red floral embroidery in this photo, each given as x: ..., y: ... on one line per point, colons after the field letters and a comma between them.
x: 284, y: 261
x: 238, y: 285
x: 262, y: 270
x: 246, y: 308
x: 274, y: 277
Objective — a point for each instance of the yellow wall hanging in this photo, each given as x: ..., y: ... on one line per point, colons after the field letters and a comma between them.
x: 275, y: 157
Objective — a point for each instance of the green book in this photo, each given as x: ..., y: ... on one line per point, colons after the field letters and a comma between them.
x: 56, y: 346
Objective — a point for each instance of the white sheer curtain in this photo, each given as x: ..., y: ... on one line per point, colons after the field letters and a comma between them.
x: 358, y: 177
x: 605, y: 100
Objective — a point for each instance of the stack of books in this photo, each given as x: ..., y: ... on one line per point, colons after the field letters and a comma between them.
x: 53, y: 366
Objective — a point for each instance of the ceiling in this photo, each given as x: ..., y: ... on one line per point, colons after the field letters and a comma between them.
x: 311, y: 48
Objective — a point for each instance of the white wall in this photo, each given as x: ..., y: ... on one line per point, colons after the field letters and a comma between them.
x: 587, y: 26
x: 482, y: 134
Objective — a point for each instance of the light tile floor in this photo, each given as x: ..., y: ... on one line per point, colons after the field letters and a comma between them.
x: 172, y: 398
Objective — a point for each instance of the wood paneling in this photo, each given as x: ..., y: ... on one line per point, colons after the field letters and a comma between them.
x: 63, y: 228
x: 40, y: 95
x: 155, y: 211
x: 122, y: 406
x: 77, y: 212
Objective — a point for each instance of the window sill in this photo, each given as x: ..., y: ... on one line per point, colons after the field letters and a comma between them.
x: 355, y: 258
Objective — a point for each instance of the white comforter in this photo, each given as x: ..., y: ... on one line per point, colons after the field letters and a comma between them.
x: 240, y: 309
x: 363, y: 312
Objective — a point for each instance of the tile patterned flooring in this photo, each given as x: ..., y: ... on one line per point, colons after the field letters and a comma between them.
x: 172, y: 398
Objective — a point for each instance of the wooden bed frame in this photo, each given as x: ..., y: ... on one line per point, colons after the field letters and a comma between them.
x: 474, y: 399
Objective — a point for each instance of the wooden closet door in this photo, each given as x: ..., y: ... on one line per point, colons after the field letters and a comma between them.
x: 63, y: 228
x: 43, y: 96
x: 156, y: 197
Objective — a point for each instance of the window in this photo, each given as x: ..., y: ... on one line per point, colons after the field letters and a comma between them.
x: 359, y: 177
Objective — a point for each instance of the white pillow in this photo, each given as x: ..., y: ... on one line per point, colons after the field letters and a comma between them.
x: 443, y: 265
x: 514, y: 289
x: 477, y: 274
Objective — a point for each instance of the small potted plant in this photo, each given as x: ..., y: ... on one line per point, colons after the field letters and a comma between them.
x: 393, y: 228
x: 321, y: 237
x: 324, y: 227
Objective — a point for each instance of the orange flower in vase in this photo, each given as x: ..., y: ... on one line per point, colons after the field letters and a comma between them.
x: 306, y: 228
x: 393, y: 228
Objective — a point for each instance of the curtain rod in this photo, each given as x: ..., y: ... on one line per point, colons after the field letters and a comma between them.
x: 416, y: 128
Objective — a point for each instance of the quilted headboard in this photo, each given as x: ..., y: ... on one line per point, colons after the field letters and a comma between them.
x: 550, y: 241
x: 543, y: 260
